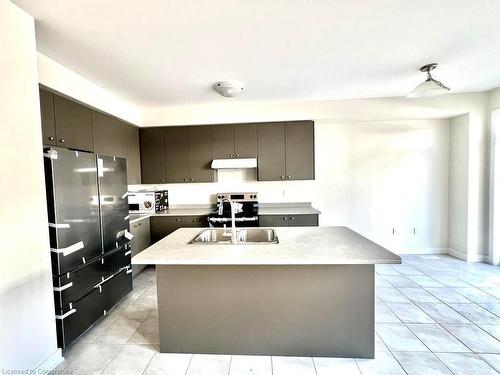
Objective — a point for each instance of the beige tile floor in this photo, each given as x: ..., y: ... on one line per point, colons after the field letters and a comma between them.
x: 434, y: 315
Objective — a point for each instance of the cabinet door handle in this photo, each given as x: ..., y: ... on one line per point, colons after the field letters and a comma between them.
x: 284, y: 218
x: 162, y: 180
x: 191, y: 179
x: 62, y: 140
x: 195, y: 220
x: 230, y: 155
x: 292, y: 218
x: 185, y: 179
x: 51, y: 138
x: 237, y: 155
x: 282, y: 177
x: 289, y: 177
x: 135, y: 225
x: 178, y: 220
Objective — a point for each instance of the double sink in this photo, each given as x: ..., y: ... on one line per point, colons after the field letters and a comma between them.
x: 244, y: 236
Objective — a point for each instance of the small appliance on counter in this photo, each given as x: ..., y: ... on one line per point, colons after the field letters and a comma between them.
x: 147, y: 201
x: 248, y: 217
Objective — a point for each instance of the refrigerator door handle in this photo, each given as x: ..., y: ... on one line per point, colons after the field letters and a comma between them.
x: 70, y: 312
x: 64, y: 287
x: 57, y: 226
x: 70, y: 249
x: 103, y: 281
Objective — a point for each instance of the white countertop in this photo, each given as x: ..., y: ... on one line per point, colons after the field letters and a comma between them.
x: 288, y: 210
x: 299, y: 208
x: 297, y: 245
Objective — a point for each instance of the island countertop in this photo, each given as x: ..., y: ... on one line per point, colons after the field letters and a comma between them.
x: 297, y: 246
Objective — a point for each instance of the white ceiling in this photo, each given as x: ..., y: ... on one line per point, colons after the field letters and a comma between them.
x: 170, y: 52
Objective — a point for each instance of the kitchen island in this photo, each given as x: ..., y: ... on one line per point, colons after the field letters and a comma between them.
x: 310, y: 294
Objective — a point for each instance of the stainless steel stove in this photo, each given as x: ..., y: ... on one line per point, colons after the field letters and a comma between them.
x: 248, y: 217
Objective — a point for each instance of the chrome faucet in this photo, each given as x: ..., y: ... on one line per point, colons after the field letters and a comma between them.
x: 235, y: 208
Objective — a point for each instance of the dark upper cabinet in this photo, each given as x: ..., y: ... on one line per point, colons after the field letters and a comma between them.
x: 200, y: 154
x: 286, y: 151
x: 245, y: 141
x: 177, y: 154
x: 47, y: 117
x: 130, y: 137
x: 113, y: 137
x: 299, y: 143
x: 107, y: 137
x: 73, y: 124
x: 234, y: 141
x: 271, y: 151
x: 153, y: 168
x: 223, y: 141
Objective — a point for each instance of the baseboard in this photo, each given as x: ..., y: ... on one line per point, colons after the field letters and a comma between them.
x: 50, y: 363
x: 423, y: 250
x: 475, y: 258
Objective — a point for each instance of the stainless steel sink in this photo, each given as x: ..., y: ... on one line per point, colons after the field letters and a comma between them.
x: 245, y: 236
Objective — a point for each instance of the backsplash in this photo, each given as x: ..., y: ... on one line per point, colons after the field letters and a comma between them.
x: 235, y: 180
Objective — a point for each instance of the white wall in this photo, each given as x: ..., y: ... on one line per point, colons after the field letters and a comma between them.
x: 370, y: 176
x: 59, y: 78
x: 27, y: 326
x: 458, y: 186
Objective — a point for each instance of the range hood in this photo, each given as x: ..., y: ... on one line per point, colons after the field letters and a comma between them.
x: 234, y: 163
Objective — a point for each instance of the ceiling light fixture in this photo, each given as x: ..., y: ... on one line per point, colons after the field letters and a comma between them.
x: 430, y: 87
x: 229, y: 89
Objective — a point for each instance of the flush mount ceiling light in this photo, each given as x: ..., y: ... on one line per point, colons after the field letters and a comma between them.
x: 430, y: 87
x: 229, y: 89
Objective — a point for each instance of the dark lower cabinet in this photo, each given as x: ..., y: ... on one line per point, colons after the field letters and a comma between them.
x: 142, y: 239
x: 288, y: 220
x: 162, y: 226
x: 194, y: 221
x: 73, y: 124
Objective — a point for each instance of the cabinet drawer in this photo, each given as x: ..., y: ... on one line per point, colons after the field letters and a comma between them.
x: 194, y: 221
x: 273, y: 221
x: 303, y: 220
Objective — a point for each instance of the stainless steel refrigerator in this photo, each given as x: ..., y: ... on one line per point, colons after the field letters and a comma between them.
x: 89, y: 237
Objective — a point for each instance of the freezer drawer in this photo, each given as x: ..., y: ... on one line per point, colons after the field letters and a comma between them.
x: 117, y: 288
x: 73, y: 285
x: 75, y: 318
